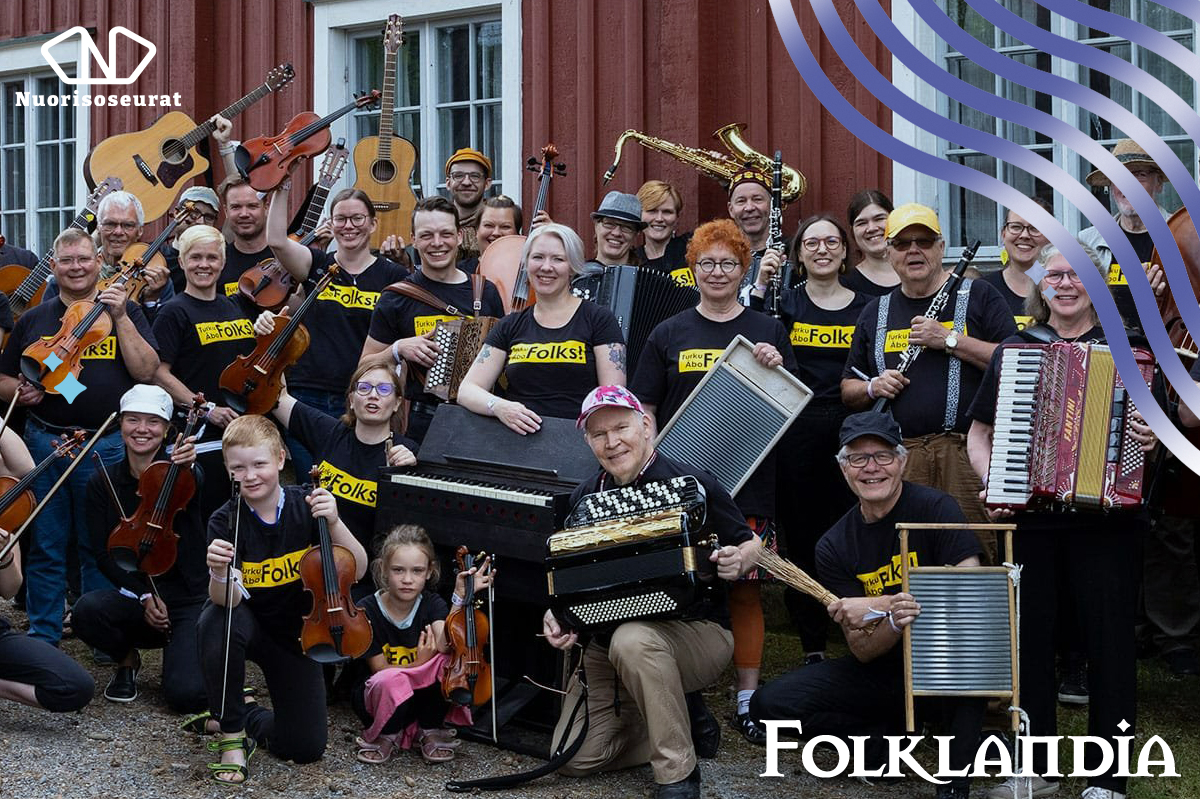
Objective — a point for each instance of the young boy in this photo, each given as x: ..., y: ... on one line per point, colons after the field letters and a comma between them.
x: 274, y: 527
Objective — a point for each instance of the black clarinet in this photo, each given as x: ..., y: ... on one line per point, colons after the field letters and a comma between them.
x: 780, y: 279
x: 936, y: 306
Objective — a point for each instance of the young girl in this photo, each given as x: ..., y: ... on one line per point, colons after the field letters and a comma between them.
x: 402, y: 701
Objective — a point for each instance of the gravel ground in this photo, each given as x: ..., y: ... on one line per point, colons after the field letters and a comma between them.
x: 136, y: 751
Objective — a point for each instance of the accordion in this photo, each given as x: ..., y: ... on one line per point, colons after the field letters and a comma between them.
x: 1061, y: 431
x: 640, y: 298
x: 460, y: 341
x: 630, y: 553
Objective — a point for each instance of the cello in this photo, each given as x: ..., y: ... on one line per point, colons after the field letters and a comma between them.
x: 266, y: 160
x: 146, y: 541
x: 251, y: 384
x: 267, y: 284
x: 501, y: 261
x: 336, y: 630
x: 467, y: 680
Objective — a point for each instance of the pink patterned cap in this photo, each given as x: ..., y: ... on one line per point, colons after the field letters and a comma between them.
x: 608, y: 397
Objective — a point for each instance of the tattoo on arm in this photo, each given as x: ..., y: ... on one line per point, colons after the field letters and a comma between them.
x: 616, y: 354
x: 484, y: 354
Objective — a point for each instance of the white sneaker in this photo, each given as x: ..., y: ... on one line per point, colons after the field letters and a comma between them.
x: 1026, y: 788
x: 1095, y: 792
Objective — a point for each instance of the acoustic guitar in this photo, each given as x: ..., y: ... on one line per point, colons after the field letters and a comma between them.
x: 384, y: 164
x: 155, y: 163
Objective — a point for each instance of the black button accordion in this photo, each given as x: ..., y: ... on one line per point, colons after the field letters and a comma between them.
x: 630, y: 553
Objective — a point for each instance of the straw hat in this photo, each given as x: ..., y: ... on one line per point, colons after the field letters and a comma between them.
x: 1129, y: 153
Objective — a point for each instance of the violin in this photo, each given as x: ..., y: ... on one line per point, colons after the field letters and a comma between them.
x: 335, y: 630
x: 267, y: 283
x: 147, y: 542
x: 266, y: 160
x: 16, y: 496
x: 468, y: 677
x: 251, y: 384
x: 148, y: 255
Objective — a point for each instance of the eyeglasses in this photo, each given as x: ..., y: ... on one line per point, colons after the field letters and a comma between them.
x: 71, y: 261
x: 813, y: 244
x: 466, y: 177
x: 708, y: 265
x: 922, y: 242
x: 204, y: 217
x: 357, y: 220
x: 884, y: 457
x: 1016, y: 229
x: 610, y: 226
x: 111, y: 226
x: 363, y: 388
x: 1058, y: 277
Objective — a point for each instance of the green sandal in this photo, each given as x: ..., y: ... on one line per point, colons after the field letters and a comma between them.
x: 222, y: 745
x: 197, y: 723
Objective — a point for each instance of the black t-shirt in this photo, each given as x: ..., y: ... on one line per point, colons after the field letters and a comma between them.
x: 397, y: 316
x: 187, y: 580
x: 723, y: 518
x: 921, y: 406
x: 678, y: 354
x: 1118, y: 284
x: 673, y: 261
x: 397, y: 644
x: 1016, y: 303
x: 349, y: 468
x: 178, y: 278
x: 551, y: 370
x: 820, y: 339
x: 6, y: 314
x: 860, y: 558
x: 17, y: 256
x: 338, y: 322
x: 237, y: 262
x: 102, y: 370
x: 269, y: 557
x: 855, y: 280
x: 199, y: 338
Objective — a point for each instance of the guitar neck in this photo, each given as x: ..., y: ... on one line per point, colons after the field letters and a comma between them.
x: 204, y: 129
x: 313, y: 215
x: 38, y: 275
x: 386, y: 111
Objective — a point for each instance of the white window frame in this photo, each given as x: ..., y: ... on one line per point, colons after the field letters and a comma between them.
x: 338, y: 23
x: 22, y: 59
x: 909, y: 185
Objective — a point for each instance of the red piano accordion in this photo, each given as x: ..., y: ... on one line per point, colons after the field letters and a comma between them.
x: 1061, y: 437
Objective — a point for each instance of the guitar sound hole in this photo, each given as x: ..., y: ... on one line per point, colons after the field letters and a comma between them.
x: 173, y: 151
x: 383, y: 171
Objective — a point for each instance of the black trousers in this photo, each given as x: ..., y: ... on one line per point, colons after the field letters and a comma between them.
x: 115, y: 624
x: 1099, y: 564
x: 426, y: 706
x: 297, y: 728
x: 844, y: 697
x: 59, y: 683
x: 810, y: 496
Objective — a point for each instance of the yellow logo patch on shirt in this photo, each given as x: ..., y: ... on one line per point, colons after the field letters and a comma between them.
x: 683, y: 276
x: 570, y: 351
x: 1116, y: 276
x: 885, y: 576
x: 212, y: 332
x: 349, y: 297
x: 824, y: 336
x: 399, y: 655
x: 897, y: 340
x: 426, y: 324
x: 103, y: 350
x: 231, y: 289
x: 698, y: 360
x: 347, y: 486
x: 273, y: 572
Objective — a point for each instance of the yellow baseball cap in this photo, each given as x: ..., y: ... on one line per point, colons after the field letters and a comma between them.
x: 912, y: 214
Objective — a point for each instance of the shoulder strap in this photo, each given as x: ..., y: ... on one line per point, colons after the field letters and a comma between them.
x: 478, y: 282
x: 411, y: 290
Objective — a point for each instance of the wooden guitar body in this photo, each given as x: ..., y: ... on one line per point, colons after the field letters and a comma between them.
x: 388, y: 182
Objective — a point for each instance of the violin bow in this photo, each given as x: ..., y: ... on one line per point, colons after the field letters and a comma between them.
x: 237, y: 517
x: 12, y: 406
x: 71, y: 467
x: 492, y: 652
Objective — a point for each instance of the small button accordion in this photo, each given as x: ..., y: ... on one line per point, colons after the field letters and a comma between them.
x: 630, y: 553
x: 460, y: 341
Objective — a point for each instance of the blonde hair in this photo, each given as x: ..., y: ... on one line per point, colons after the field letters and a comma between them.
x: 252, y: 430
x: 403, y: 536
x: 200, y: 234
x: 654, y: 193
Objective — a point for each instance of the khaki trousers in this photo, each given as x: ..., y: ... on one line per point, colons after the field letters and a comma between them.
x: 939, y: 460
x: 647, y: 667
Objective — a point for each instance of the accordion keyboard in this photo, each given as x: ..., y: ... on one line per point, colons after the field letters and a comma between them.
x: 1012, y: 439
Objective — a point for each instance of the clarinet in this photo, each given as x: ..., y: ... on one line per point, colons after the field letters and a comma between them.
x: 936, y: 306
x: 775, y: 240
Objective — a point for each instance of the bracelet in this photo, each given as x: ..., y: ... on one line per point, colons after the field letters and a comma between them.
x: 457, y: 602
x: 396, y: 350
x: 870, y: 390
x: 892, y: 622
x: 217, y: 579
x: 145, y: 596
x: 491, y: 405
x: 8, y: 562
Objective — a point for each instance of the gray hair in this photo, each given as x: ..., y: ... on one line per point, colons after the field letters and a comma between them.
x: 843, y: 453
x: 121, y: 199
x: 1036, y: 305
x: 570, y: 241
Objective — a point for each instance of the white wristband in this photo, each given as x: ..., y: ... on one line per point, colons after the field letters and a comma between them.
x: 457, y: 601
x: 228, y: 149
x: 396, y: 350
x: 870, y: 390
x: 216, y: 578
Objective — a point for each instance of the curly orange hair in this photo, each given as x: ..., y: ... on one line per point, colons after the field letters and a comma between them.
x: 719, y: 233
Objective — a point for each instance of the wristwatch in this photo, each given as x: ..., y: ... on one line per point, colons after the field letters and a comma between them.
x: 952, y: 341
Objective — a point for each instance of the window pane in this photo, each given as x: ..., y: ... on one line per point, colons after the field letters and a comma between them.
x: 969, y: 20
x: 366, y: 125
x: 488, y: 139
x: 1174, y: 79
x: 47, y: 176
x: 1031, y: 12
x: 454, y: 131
x: 984, y: 79
x: 14, y: 119
x: 47, y: 116
x: 1186, y: 152
x: 487, y: 60
x: 67, y: 174
x: 14, y: 179
x: 1118, y: 7
x: 48, y: 229
x: 1098, y: 127
x: 454, y: 64
x: 975, y: 215
x: 1025, y: 183
x: 408, y: 126
x: 408, y: 71
x: 1026, y: 96
x: 1164, y: 19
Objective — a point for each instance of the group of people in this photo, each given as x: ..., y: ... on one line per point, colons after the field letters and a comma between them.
x: 828, y: 496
